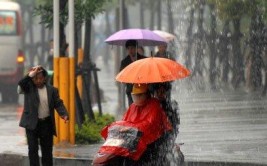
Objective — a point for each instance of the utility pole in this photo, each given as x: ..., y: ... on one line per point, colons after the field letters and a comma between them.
x: 72, y: 72
x: 64, y: 76
x: 56, y: 55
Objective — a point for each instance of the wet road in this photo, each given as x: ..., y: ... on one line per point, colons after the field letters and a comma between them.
x: 12, y: 137
x: 223, y: 126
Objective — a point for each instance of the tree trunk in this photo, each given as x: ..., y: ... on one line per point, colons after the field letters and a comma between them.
x: 200, y: 45
x: 224, y: 54
x: 264, y: 90
x: 189, y: 35
x: 107, y: 55
x: 87, y: 38
x: 78, y: 39
x: 80, y: 113
x: 238, y: 67
x: 159, y: 15
x: 152, y: 14
x: 212, y: 48
x: 142, y: 15
x: 170, y: 17
x: 126, y: 22
x: 256, y: 49
x: 87, y: 66
x: 43, y: 44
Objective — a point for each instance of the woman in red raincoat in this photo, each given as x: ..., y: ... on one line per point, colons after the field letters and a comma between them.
x: 126, y: 140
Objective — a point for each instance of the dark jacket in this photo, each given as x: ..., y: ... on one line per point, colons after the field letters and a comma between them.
x: 29, y: 116
x: 166, y: 54
x: 125, y: 62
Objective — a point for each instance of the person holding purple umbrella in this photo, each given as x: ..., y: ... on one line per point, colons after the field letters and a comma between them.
x: 132, y: 55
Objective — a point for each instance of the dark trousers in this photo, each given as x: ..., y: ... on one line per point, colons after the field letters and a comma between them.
x: 43, y: 134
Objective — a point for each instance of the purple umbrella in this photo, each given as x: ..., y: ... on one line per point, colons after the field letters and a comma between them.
x: 143, y: 36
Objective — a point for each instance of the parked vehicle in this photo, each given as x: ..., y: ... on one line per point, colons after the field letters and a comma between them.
x: 11, y: 54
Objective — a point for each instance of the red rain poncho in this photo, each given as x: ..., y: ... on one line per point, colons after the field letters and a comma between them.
x: 149, y: 119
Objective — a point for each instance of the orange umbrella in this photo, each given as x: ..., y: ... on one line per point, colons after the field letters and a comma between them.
x: 152, y: 70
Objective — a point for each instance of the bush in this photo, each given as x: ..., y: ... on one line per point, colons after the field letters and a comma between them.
x: 89, y: 132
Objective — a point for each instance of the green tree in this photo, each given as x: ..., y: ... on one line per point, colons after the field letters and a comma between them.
x: 85, y: 11
x: 256, y: 43
x: 234, y: 10
x: 255, y: 11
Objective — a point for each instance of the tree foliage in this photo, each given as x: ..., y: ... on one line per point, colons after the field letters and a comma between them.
x: 84, y: 9
x: 236, y: 9
x: 90, y: 130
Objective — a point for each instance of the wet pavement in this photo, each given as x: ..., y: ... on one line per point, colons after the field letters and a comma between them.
x: 223, y: 127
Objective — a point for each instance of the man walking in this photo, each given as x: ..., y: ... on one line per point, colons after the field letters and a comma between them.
x: 40, y: 100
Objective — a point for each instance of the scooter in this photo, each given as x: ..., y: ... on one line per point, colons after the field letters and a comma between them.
x: 120, y: 148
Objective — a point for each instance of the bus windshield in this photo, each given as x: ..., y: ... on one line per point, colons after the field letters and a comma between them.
x: 8, y: 23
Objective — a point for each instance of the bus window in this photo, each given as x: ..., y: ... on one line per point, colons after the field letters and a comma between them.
x: 8, y: 23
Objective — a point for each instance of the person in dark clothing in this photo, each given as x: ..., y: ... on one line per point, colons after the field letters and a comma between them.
x: 164, y: 151
x: 132, y: 55
x: 40, y: 100
x: 141, y: 50
x: 163, y: 53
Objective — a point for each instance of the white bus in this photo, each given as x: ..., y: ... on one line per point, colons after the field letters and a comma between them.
x: 11, y: 54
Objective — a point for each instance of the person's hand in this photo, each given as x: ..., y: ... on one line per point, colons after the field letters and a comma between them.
x: 34, y: 70
x: 65, y: 118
